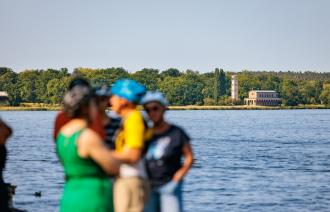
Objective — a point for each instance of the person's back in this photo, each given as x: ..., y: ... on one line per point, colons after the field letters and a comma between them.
x: 85, y: 158
x: 5, y: 133
x: 86, y: 183
x: 3, y: 190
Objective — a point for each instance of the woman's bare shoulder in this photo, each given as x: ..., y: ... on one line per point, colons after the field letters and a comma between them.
x: 72, y: 127
x: 89, y: 137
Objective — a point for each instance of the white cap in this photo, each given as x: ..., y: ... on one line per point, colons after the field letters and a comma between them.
x: 154, y: 96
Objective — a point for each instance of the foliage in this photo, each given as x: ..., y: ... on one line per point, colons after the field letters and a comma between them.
x: 325, y: 95
x: 148, y: 77
x: 181, y: 88
x: 290, y: 93
x: 216, y: 86
x: 8, y: 83
x: 222, y: 81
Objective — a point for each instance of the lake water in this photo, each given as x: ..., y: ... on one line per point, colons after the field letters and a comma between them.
x: 246, y: 160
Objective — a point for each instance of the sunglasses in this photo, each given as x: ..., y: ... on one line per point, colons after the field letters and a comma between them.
x: 153, y: 109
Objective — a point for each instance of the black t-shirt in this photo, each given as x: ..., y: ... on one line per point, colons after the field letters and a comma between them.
x: 3, y: 189
x: 111, y: 131
x: 164, y: 153
x: 3, y: 154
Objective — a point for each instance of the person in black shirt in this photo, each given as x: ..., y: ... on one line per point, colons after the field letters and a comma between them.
x: 5, y: 133
x: 164, y: 157
x: 110, y: 124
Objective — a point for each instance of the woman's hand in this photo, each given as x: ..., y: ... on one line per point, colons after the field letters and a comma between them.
x: 188, y: 161
x: 169, y: 187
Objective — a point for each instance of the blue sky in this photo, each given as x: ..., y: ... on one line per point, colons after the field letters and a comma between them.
x: 197, y: 34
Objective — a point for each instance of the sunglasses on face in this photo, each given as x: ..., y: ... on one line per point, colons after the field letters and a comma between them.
x: 152, y: 109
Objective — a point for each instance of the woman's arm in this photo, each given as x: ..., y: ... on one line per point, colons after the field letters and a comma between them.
x: 91, y: 145
x: 188, y: 161
x: 5, y: 132
x: 128, y: 155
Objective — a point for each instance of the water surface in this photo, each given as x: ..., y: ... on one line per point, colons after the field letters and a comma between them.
x: 246, y: 160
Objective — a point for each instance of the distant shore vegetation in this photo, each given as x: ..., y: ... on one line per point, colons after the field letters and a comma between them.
x: 182, y: 88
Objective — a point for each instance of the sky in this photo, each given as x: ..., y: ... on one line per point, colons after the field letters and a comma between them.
x: 273, y: 35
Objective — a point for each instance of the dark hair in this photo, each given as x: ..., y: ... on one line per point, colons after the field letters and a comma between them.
x: 76, y: 100
x: 78, y: 81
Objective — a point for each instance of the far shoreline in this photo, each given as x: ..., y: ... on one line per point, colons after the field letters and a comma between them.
x: 43, y: 107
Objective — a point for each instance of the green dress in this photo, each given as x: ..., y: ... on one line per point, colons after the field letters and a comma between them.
x: 87, y: 187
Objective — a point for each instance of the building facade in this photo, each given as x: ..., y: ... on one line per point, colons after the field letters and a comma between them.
x: 262, y: 98
x: 3, y: 97
x: 234, y: 87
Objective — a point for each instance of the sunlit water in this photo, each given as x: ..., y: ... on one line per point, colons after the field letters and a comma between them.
x: 246, y: 160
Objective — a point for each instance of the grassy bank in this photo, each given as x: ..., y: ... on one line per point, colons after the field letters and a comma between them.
x: 31, y: 107
x: 244, y: 107
x: 50, y: 107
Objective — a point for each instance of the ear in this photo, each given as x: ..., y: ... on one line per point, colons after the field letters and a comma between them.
x: 124, y: 102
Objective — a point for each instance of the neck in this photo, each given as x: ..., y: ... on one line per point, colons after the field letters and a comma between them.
x: 125, y: 111
x: 160, y: 126
x: 79, y: 120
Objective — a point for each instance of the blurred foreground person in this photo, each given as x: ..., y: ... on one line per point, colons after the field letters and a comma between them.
x: 84, y: 156
x: 131, y: 188
x: 5, y: 133
x: 163, y: 158
x: 110, y: 124
x: 62, y: 118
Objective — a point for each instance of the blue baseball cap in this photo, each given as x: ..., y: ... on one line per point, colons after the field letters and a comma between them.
x: 129, y: 90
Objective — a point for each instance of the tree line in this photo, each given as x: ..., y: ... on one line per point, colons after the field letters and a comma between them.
x: 181, y: 88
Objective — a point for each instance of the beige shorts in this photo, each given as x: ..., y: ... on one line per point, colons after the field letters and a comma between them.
x: 130, y: 194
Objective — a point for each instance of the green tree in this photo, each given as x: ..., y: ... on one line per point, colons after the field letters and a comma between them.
x: 27, y: 81
x: 290, y: 93
x: 148, y: 77
x: 99, y: 77
x: 8, y: 83
x: 310, y: 91
x: 222, y: 83
x: 56, y: 89
x: 208, y: 91
x: 42, y: 80
x: 4, y: 70
x: 247, y: 82
x: 216, y: 85
x: 183, y: 90
x: 325, y: 95
x: 171, y: 72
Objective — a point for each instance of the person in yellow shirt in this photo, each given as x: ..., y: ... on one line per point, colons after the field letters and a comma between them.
x: 131, y: 187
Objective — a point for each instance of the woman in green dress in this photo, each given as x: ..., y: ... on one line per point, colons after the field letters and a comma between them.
x: 85, y: 158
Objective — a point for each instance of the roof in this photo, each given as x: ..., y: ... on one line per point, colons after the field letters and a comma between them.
x: 3, y: 93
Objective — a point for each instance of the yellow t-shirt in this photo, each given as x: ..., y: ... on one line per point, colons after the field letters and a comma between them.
x: 133, y: 133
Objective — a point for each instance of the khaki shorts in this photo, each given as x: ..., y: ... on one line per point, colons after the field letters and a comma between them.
x: 130, y: 194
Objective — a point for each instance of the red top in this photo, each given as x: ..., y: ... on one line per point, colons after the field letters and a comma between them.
x: 62, y: 119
